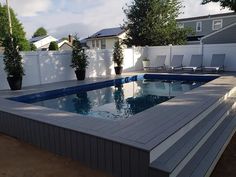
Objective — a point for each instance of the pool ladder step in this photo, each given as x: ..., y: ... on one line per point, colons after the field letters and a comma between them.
x: 197, y: 152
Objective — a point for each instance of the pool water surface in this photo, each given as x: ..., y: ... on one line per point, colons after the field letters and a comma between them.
x: 120, y: 101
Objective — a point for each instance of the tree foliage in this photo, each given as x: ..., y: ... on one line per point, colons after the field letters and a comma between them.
x: 53, y: 46
x: 40, y: 32
x: 231, y: 4
x: 17, y: 29
x: 12, y: 58
x: 118, y: 57
x: 79, y: 59
x: 33, y: 47
x: 153, y: 22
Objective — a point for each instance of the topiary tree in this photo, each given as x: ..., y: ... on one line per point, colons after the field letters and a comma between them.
x: 12, y: 58
x: 79, y: 61
x: 118, y: 57
x: 153, y: 23
x: 17, y: 29
x: 53, y: 46
x: 40, y: 32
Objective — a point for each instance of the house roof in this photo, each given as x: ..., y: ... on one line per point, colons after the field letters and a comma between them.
x: 207, y: 16
x: 109, y: 32
x: 218, y: 31
x: 35, y: 39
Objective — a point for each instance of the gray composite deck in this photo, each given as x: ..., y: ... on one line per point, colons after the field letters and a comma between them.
x: 123, y: 148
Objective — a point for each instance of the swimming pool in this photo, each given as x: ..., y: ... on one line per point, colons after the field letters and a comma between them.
x: 116, y: 99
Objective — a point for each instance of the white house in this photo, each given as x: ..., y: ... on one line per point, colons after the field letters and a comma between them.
x: 42, y: 42
x: 64, y: 45
x: 105, y: 39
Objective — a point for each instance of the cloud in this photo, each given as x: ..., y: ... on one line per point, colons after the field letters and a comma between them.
x: 80, y: 29
x: 29, y: 7
x: 194, y: 8
x: 85, y: 17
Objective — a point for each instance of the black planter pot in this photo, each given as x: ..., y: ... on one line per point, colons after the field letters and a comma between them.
x: 15, y: 83
x: 80, y: 74
x: 118, y: 70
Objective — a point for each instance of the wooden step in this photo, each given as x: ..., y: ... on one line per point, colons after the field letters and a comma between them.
x: 175, y: 158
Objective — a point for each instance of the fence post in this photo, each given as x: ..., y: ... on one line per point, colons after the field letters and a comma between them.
x: 39, y: 67
x: 133, y: 51
x: 170, y: 45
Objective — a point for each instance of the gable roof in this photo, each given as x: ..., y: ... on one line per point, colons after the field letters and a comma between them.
x: 35, y: 39
x: 218, y: 31
x: 207, y: 16
x: 108, y: 32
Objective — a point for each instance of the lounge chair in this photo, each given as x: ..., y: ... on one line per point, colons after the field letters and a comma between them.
x: 176, y: 62
x: 160, y: 63
x: 195, y: 64
x: 217, y: 63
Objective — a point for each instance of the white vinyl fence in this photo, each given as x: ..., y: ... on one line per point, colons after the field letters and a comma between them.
x: 47, y: 67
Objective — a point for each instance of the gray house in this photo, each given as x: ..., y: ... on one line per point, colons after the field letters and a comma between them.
x: 205, y: 26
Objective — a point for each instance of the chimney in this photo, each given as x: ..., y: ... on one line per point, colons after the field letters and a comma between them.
x: 70, y: 39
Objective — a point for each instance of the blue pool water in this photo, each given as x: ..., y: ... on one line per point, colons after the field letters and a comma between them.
x: 120, y: 101
x: 116, y: 99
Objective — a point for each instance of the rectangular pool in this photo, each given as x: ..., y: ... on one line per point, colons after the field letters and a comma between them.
x: 118, y: 99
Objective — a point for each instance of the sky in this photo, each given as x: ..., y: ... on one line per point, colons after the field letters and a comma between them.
x: 85, y: 17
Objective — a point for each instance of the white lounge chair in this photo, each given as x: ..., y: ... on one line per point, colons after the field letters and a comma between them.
x: 161, y: 59
x: 217, y: 63
x: 195, y: 64
x: 176, y: 62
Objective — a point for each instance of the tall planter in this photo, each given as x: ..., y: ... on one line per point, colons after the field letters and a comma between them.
x: 15, y: 83
x: 80, y: 74
x: 79, y: 60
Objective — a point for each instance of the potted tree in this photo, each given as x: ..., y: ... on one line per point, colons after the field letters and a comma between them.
x: 13, y: 62
x: 79, y: 59
x: 118, y: 57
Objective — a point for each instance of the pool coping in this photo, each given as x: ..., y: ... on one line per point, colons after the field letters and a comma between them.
x: 103, y: 128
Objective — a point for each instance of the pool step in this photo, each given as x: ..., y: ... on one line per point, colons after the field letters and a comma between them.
x: 184, y: 157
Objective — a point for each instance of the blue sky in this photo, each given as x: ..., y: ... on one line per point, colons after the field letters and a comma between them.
x: 85, y: 17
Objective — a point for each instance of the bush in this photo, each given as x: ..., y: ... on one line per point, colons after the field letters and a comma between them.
x: 79, y: 58
x: 12, y: 58
x: 53, y: 46
x: 118, y: 57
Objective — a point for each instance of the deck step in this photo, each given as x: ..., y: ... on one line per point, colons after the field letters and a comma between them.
x: 179, y: 155
x: 210, y: 159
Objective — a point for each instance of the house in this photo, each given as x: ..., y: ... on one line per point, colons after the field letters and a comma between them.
x: 64, y: 45
x: 204, y: 26
x: 105, y: 38
x: 42, y: 42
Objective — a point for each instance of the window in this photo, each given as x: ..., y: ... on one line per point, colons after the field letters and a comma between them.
x: 93, y: 44
x: 198, y: 26
x: 217, y: 24
x: 103, y: 44
x: 180, y: 25
x: 97, y: 43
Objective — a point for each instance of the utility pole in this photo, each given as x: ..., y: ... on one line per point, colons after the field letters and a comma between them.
x: 9, y: 17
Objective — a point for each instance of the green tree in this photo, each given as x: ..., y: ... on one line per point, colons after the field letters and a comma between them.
x: 79, y: 59
x: 231, y: 4
x: 53, y: 46
x: 153, y: 22
x: 33, y: 47
x: 17, y: 29
x: 118, y: 57
x: 12, y: 58
x: 40, y: 32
